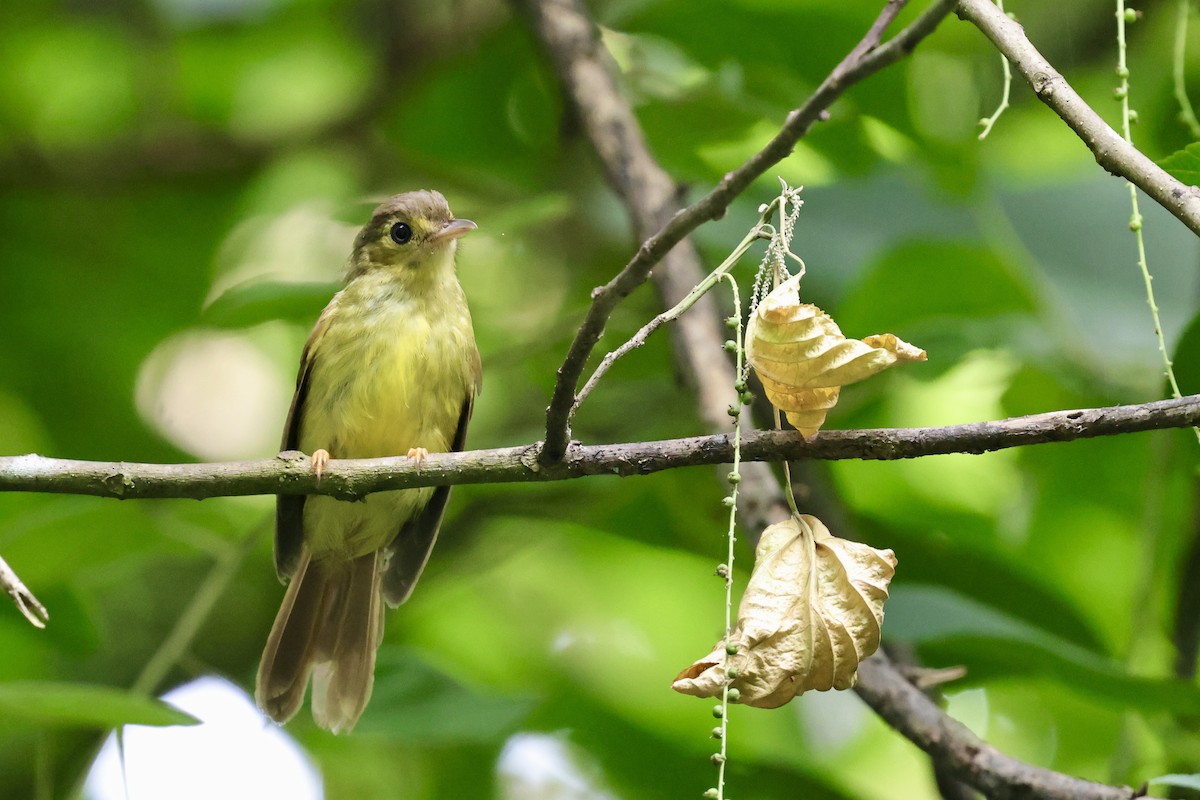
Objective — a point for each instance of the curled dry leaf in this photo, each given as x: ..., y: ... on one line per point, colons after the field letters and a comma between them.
x: 812, y: 612
x: 803, y: 360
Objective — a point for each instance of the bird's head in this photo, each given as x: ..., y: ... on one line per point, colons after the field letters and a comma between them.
x: 414, y: 234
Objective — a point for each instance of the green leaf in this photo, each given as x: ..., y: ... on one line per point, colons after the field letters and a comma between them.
x: 413, y: 701
x: 995, y: 657
x: 1184, y: 164
x: 75, y: 705
x: 947, y: 297
x: 950, y: 629
x: 504, y: 84
x: 255, y: 302
x: 1180, y: 781
x: 1187, y: 358
x: 921, y: 281
x: 983, y: 572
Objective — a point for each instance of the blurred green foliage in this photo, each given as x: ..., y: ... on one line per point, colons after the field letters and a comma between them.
x: 50, y: 704
x: 180, y: 180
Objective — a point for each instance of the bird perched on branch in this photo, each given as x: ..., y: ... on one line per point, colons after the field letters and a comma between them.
x: 391, y: 367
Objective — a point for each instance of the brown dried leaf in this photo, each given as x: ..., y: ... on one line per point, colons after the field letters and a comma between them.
x: 803, y: 359
x: 812, y: 612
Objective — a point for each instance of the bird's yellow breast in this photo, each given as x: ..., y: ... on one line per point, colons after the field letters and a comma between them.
x: 391, y: 372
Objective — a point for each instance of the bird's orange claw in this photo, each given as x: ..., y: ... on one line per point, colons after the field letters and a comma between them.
x: 418, y: 454
x: 320, y: 458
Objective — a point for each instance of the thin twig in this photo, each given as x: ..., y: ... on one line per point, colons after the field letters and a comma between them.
x: 174, y: 648
x: 789, y: 493
x: 27, y: 604
x: 1187, y: 114
x: 203, y: 600
x: 1135, y: 220
x: 638, y: 339
x: 571, y: 40
x: 735, y: 479
x: 989, y: 122
x: 1110, y: 150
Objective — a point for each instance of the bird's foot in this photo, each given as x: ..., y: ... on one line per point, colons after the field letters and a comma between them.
x: 320, y: 459
x: 418, y: 455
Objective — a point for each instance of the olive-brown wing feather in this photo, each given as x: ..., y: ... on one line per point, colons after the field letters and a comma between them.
x: 410, y: 550
x: 289, y: 509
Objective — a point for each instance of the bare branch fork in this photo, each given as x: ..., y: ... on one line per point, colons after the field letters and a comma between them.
x: 567, y: 36
x: 759, y: 231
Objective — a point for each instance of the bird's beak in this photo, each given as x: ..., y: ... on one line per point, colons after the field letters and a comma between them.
x: 452, y: 230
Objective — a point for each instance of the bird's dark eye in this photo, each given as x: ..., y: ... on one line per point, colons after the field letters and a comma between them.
x: 401, y: 233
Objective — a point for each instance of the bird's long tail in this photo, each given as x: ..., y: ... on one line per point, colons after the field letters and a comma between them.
x: 329, y: 625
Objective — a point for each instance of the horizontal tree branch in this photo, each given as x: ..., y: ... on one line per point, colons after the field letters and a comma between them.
x: 958, y: 751
x: 1110, y: 149
x: 572, y: 42
x: 290, y: 473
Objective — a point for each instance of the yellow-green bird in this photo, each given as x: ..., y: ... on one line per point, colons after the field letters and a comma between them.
x: 390, y: 368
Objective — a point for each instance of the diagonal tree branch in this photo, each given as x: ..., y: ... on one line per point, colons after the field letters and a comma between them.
x: 1110, y: 149
x: 290, y: 473
x: 960, y: 752
x: 573, y: 45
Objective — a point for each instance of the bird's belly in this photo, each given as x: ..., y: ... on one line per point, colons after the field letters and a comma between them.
x: 345, y: 530
x: 382, y: 384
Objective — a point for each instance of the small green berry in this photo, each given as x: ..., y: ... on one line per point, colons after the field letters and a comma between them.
x: 1135, y: 224
x: 734, y: 478
x: 731, y: 345
x: 712, y: 793
x: 739, y: 385
x: 727, y: 502
x: 717, y: 758
x: 731, y: 649
x: 718, y: 712
x: 733, y: 411
x: 732, y: 323
x: 746, y: 397
x: 1133, y: 116
x: 1122, y: 72
x: 1120, y: 93
x: 717, y: 733
x: 1131, y: 15
x: 734, y: 695
x: 722, y: 571
x: 731, y: 673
